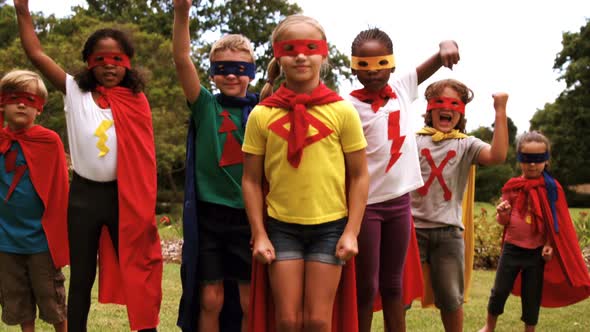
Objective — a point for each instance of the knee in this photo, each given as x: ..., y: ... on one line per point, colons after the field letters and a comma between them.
x: 366, y: 293
x: 316, y: 323
x: 212, y: 298
x: 293, y: 323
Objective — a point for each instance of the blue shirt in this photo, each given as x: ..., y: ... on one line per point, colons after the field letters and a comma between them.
x: 21, y: 231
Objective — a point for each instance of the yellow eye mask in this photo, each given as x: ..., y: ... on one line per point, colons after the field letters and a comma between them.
x: 373, y: 62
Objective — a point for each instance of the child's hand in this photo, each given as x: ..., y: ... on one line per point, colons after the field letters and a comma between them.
x: 347, y: 246
x: 449, y: 53
x: 263, y: 250
x: 504, y: 207
x: 547, y: 253
x: 500, y: 100
x: 183, y: 5
x: 21, y: 6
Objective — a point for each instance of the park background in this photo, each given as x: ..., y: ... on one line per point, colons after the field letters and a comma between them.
x: 505, y: 46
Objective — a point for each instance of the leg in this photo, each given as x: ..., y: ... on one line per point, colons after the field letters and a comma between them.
x: 321, y: 284
x: 394, y: 246
x: 447, y: 274
x: 506, y: 273
x: 28, y: 326
x: 286, y: 283
x: 532, y: 287
x: 244, y: 303
x: 211, y: 304
x: 367, y: 267
x: 48, y: 285
x: 61, y: 327
x: 83, y: 233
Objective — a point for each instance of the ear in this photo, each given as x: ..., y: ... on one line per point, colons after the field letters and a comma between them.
x: 353, y: 72
x: 392, y: 70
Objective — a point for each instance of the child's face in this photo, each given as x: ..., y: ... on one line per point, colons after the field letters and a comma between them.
x: 20, y: 116
x: 108, y: 75
x: 302, y: 72
x: 443, y: 119
x: 232, y: 85
x: 373, y: 80
x: 533, y: 170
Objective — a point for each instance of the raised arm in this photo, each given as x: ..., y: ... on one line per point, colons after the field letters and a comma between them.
x: 181, y: 44
x: 32, y: 47
x: 448, y: 55
x: 496, y: 153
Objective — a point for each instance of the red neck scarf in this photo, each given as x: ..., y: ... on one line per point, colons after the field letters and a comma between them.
x: 526, y: 200
x: 135, y: 276
x: 44, y: 153
x: 375, y: 98
x: 297, y: 104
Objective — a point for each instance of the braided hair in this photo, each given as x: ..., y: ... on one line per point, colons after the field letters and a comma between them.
x: 371, y: 34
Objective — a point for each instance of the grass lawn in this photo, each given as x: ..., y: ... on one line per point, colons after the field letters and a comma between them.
x: 113, y: 318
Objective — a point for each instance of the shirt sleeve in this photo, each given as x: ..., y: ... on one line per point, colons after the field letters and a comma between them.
x: 202, y: 104
x: 352, y: 137
x: 475, y: 146
x: 254, y: 137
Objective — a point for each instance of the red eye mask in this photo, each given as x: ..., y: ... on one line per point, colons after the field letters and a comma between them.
x: 295, y: 47
x: 25, y: 98
x: 101, y: 59
x: 446, y: 103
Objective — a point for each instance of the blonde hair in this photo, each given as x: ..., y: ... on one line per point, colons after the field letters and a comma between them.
x: 274, y: 70
x: 20, y: 80
x: 233, y: 42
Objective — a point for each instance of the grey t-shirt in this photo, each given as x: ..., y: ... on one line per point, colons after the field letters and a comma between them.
x: 431, y: 208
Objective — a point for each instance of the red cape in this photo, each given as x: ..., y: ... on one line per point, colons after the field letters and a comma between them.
x: 566, y: 279
x: 262, y: 316
x: 412, y: 282
x: 135, y: 278
x: 48, y: 169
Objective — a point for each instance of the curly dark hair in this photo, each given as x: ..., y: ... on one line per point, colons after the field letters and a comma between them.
x: 371, y: 34
x: 133, y: 79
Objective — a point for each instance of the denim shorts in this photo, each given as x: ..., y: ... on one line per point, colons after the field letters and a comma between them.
x: 444, y: 249
x: 307, y: 242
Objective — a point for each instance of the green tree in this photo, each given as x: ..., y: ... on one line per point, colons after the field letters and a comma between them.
x: 490, y: 179
x: 566, y: 122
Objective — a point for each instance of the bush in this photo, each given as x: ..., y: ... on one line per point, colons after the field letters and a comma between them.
x: 488, y: 237
x: 582, y: 224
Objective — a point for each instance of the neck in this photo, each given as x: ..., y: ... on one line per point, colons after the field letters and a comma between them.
x: 305, y: 87
x: 14, y: 128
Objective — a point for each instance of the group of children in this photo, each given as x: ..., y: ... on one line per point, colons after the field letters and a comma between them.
x: 282, y: 191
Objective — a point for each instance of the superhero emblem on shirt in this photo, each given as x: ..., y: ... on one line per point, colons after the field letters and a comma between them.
x: 393, y: 134
x: 101, y: 133
x: 232, y: 149
x: 278, y: 127
x: 436, y: 172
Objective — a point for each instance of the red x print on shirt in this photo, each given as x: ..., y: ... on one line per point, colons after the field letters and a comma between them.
x: 393, y: 133
x: 436, y: 172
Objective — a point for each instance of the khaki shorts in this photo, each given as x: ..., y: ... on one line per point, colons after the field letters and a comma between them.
x: 28, y: 282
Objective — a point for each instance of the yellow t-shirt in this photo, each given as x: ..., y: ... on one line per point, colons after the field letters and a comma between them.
x: 314, y: 192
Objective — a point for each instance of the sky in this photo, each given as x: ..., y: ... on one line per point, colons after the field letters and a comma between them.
x: 505, y: 45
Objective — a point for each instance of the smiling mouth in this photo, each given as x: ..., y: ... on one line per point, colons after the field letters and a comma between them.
x: 446, y: 117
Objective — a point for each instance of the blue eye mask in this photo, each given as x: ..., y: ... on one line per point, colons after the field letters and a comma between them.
x: 536, y: 158
x: 238, y: 68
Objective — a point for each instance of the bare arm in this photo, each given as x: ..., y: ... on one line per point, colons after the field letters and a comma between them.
x: 185, y: 69
x: 32, y: 47
x: 358, y: 192
x: 262, y: 248
x: 496, y: 153
x: 448, y: 55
